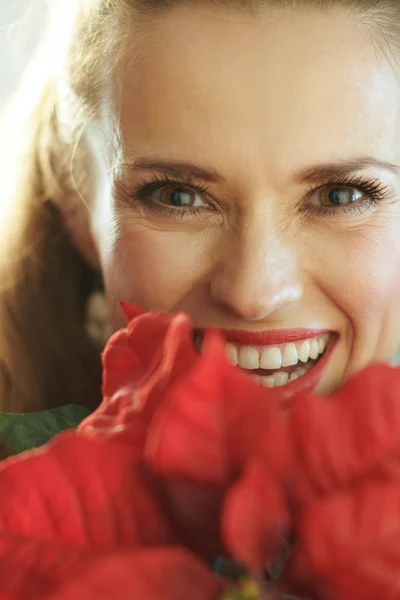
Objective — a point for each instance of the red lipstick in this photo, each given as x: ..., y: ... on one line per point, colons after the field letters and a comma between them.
x: 270, y: 338
x: 303, y: 385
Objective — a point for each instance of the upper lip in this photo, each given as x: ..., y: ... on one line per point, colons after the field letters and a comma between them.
x: 272, y: 337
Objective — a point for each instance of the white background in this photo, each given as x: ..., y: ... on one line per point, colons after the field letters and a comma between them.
x: 21, y: 22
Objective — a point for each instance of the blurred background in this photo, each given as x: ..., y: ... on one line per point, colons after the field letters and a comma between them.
x: 21, y: 22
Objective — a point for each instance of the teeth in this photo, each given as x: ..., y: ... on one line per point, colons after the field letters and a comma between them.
x: 268, y: 382
x: 232, y: 354
x: 275, y: 357
x: 314, y: 349
x: 303, y: 351
x: 281, y: 378
x: 271, y: 358
x: 275, y: 380
x: 289, y: 355
x: 301, y: 371
x: 249, y: 358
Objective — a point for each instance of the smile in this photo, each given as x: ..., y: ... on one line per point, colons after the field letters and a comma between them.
x: 287, y: 361
x: 277, y: 365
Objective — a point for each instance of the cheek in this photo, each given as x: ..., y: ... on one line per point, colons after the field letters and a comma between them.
x: 364, y: 282
x: 153, y: 268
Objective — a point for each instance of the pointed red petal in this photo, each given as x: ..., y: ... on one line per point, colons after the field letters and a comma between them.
x: 354, y: 433
x: 203, y: 435
x: 349, y: 544
x: 212, y: 422
x: 255, y: 517
x: 186, y: 438
x: 81, y: 491
x: 139, y: 365
x: 31, y: 568
x: 147, y: 349
x: 131, y: 311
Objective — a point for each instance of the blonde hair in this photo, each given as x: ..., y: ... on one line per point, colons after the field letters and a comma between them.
x: 46, y: 357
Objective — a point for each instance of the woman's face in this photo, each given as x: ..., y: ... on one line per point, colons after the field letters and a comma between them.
x: 256, y: 187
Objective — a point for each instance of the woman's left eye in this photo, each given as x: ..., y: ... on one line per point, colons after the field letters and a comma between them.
x: 176, y: 197
x: 334, y: 196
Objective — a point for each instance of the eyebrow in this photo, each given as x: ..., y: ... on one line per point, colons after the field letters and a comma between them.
x: 336, y: 170
x: 175, y: 168
x: 316, y: 174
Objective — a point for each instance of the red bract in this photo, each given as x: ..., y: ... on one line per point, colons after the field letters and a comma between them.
x: 218, y: 428
x: 349, y: 436
x: 139, y: 364
x: 84, y: 492
x: 348, y: 545
x: 153, y: 574
x: 201, y: 436
x: 255, y: 517
x: 32, y: 569
x: 346, y: 489
x: 215, y: 421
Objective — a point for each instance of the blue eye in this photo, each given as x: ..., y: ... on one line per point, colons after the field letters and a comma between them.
x: 178, y: 197
x: 339, y: 196
x: 348, y: 195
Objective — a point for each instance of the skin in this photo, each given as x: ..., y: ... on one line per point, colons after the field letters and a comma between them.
x: 256, y: 99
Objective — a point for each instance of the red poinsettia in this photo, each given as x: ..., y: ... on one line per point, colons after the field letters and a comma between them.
x: 324, y: 459
x: 187, y: 456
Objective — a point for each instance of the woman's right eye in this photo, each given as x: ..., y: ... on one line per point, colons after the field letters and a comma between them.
x: 176, y: 197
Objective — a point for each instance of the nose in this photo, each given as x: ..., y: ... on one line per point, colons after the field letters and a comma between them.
x: 258, y: 276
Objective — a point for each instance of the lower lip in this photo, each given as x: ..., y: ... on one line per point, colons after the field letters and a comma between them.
x: 308, y: 382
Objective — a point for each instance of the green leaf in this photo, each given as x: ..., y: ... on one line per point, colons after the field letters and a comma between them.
x: 31, y: 430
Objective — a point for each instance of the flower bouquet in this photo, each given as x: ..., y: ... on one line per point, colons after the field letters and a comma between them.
x: 191, y: 481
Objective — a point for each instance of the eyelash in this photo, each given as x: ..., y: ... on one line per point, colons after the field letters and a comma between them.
x: 373, y: 190
x: 142, y: 193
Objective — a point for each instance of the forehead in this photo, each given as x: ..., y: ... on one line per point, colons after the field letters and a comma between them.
x: 274, y: 91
